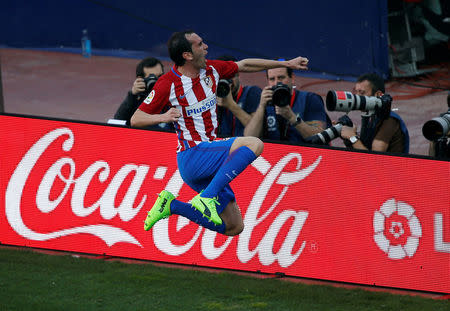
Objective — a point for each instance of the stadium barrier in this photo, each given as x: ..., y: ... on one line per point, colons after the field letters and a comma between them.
x: 309, y: 212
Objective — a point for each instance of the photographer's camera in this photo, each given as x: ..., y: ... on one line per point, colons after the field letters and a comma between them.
x: 281, y: 95
x: 223, y: 87
x: 150, y: 82
x: 437, y: 128
x: 347, y: 101
x: 327, y: 135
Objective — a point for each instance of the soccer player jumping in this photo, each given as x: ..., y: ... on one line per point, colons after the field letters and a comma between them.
x: 207, y: 165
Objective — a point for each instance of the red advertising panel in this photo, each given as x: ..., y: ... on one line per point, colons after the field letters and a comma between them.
x: 308, y: 212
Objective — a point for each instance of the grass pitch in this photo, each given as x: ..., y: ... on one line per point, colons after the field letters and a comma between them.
x: 36, y: 281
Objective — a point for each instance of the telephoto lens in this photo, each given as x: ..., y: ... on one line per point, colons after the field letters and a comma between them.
x: 327, y: 135
x: 347, y: 101
x: 437, y: 127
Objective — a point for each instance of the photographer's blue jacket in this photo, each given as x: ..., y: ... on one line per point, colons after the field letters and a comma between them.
x: 248, y: 99
x: 307, y: 105
x: 371, y: 132
x: 404, y: 130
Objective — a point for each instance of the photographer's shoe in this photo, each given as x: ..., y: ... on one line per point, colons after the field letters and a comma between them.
x: 207, y: 206
x: 160, y: 210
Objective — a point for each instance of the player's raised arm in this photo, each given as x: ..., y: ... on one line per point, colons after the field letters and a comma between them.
x: 259, y: 64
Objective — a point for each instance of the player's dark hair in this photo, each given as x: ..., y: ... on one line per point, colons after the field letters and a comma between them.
x: 177, y: 45
x: 147, y: 62
x: 289, y: 71
x: 376, y: 82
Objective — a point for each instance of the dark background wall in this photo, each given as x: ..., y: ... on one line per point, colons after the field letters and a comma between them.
x: 343, y: 38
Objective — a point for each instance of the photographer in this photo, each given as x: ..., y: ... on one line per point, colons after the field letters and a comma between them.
x: 236, y: 104
x: 148, y: 71
x: 437, y: 131
x: 385, y: 134
x: 292, y: 117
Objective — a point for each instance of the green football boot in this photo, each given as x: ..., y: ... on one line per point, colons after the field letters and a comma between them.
x: 160, y: 210
x: 207, y: 206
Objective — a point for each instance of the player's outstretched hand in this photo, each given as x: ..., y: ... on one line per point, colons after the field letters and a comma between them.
x: 298, y: 63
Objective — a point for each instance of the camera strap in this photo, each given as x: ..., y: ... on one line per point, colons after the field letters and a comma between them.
x: 239, y: 93
x: 294, y: 94
x: 284, y: 125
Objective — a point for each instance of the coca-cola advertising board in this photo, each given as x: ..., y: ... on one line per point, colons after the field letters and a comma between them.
x: 309, y: 212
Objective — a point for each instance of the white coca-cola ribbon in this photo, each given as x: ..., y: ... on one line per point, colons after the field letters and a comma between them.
x: 109, y: 234
x: 251, y: 219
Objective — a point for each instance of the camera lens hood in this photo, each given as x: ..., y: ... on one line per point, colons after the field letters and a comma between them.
x: 281, y: 95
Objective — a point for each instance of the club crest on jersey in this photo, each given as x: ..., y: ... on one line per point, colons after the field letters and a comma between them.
x: 208, y: 81
x: 149, y: 98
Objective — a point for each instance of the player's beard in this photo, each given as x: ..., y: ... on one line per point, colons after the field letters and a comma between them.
x: 201, y: 63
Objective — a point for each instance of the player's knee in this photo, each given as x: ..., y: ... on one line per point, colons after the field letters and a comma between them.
x: 253, y: 143
x: 256, y: 145
x: 235, y: 228
x: 233, y: 219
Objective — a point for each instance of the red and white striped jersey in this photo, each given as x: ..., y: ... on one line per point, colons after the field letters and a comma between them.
x: 194, y: 97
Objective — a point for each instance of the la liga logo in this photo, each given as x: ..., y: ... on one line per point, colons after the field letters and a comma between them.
x: 397, y: 230
x: 149, y: 98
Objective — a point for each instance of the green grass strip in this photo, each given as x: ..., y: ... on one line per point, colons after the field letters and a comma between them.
x: 36, y: 281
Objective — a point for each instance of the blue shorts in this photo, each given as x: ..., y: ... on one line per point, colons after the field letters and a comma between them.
x: 198, y: 165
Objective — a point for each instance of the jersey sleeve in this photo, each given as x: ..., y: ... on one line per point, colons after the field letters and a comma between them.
x: 226, y: 69
x: 315, y: 109
x: 157, y: 99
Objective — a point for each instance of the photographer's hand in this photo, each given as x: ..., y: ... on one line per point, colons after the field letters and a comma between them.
x: 229, y: 103
x: 138, y: 86
x: 305, y: 128
x: 287, y: 113
x: 266, y: 96
x: 347, y: 132
x: 255, y: 125
x: 226, y: 102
